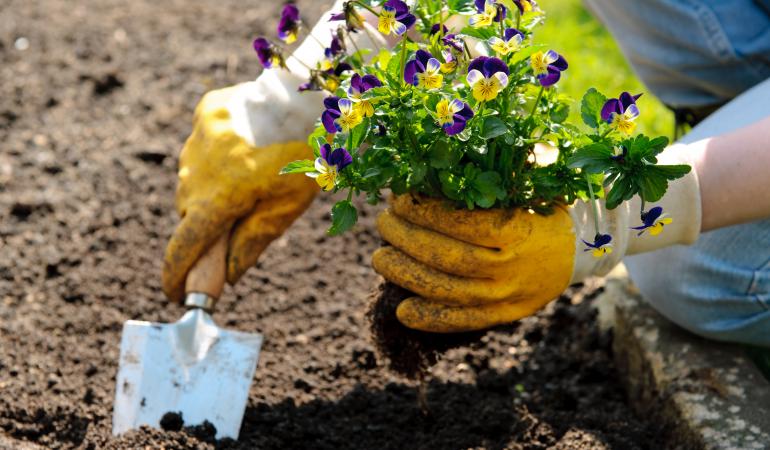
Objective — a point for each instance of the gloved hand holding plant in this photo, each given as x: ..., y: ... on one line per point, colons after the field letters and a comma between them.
x: 482, y: 228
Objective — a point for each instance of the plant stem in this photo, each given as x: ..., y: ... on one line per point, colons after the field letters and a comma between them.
x: 534, y: 107
x: 403, y: 57
x: 594, y: 209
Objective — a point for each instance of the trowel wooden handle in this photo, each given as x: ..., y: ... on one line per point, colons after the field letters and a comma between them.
x: 207, y: 276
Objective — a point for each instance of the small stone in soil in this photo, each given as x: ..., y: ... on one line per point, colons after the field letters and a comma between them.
x: 172, y: 421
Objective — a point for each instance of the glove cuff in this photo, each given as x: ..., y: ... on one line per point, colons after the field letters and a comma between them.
x: 271, y: 110
x: 682, y: 203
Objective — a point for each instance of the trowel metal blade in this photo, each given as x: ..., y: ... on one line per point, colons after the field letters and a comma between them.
x: 190, y: 367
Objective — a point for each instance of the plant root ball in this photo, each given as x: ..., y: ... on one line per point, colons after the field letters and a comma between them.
x: 410, y: 353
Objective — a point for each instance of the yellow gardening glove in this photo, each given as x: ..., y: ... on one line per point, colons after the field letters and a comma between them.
x: 472, y: 269
x: 226, y: 183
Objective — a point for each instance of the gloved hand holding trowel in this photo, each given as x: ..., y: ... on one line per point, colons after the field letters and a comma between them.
x: 233, y: 203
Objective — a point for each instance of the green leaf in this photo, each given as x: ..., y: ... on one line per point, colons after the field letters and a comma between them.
x: 493, y: 127
x: 344, y: 216
x: 359, y: 135
x: 593, y: 158
x: 443, y: 156
x: 591, y: 107
x: 560, y: 112
x: 622, y: 189
x: 489, y: 183
x: 451, y: 185
x: 526, y: 53
x: 479, y: 33
x: 531, y: 19
x: 419, y: 169
x: 652, y: 181
x: 317, y: 138
x: 302, y: 166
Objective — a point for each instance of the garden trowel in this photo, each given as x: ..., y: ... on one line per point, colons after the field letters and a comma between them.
x: 190, y: 371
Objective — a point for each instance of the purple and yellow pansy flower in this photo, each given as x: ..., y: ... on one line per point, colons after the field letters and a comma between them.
x: 600, y: 246
x: 621, y: 112
x: 340, y: 115
x: 288, y: 26
x: 548, y: 67
x: 452, y: 115
x: 488, y: 12
x: 395, y: 18
x: 509, y: 43
x: 329, y: 165
x: 653, y: 220
x: 336, y: 47
x: 424, y: 71
x: 358, y: 85
x: 487, y: 76
x: 268, y: 54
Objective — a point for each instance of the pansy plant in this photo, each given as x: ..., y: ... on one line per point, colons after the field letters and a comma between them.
x: 427, y: 116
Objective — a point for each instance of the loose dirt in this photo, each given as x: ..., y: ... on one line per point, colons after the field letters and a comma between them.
x: 96, y: 97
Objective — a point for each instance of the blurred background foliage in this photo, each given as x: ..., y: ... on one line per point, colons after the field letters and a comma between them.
x: 596, y: 61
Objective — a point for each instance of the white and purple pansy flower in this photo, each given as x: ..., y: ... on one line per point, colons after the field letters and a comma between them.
x: 340, y: 115
x: 395, y: 18
x: 424, y: 71
x: 328, y: 166
x: 653, y: 220
x: 358, y: 85
x: 487, y: 76
x: 600, y: 246
x: 511, y: 42
x: 621, y: 112
x: 452, y: 40
x: 288, y: 26
x: 268, y: 54
x: 452, y: 115
x: 548, y: 67
x: 488, y: 11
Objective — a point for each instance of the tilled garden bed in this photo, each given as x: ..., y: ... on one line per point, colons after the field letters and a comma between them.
x: 96, y: 98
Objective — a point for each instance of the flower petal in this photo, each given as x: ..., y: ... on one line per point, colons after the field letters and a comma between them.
x: 478, y: 64
x: 399, y: 28
x: 494, y: 65
x: 456, y: 105
x: 325, y: 151
x: 632, y: 112
x: 473, y: 77
x: 550, y: 78
x: 345, y: 105
x: 410, y: 71
x: 433, y: 66
x: 610, y: 106
x: 456, y: 127
x: 502, y: 79
x: 328, y: 118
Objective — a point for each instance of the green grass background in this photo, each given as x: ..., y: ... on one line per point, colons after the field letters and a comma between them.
x: 596, y: 61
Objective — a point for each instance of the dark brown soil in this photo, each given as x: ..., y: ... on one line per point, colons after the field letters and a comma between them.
x: 92, y: 115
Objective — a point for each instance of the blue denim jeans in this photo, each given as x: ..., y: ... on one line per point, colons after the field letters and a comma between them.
x: 693, y: 54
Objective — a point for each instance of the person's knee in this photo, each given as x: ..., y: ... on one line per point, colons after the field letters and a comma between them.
x: 705, y: 299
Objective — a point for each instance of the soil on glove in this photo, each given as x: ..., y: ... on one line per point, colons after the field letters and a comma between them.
x: 96, y: 98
